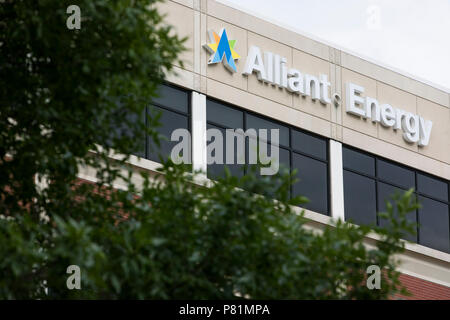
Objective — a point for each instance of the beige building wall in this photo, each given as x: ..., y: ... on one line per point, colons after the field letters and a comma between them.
x: 193, y: 18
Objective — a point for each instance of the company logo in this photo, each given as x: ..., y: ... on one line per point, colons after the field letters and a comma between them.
x: 219, y: 47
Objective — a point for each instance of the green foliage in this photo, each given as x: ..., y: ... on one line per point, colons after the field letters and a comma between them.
x: 65, y: 92
x: 182, y: 239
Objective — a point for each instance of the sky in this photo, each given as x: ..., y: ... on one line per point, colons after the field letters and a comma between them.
x: 411, y: 36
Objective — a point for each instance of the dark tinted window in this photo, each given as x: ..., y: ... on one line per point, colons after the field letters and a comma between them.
x: 309, y: 144
x: 141, y: 151
x: 173, y: 104
x: 434, y: 224
x: 284, y: 157
x: 432, y: 219
x: 396, y: 174
x: 223, y: 115
x: 360, y: 199
x: 169, y: 122
x: 385, y: 193
x: 312, y: 175
x: 358, y: 161
x: 123, y: 129
x: 432, y: 187
x: 259, y: 123
x: 172, y: 98
x: 283, y: 154
x: 218, y: 170
x: 284, y: 161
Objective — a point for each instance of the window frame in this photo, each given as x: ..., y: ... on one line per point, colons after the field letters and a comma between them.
x: 380, y: 180
x: 290, y: 149
x: 188, y: 114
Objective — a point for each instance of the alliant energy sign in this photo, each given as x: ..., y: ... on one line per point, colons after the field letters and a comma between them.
x: 272, y: 68
x: 415, y: 128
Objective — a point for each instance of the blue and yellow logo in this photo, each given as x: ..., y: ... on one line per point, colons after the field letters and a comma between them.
x: 221, y: 47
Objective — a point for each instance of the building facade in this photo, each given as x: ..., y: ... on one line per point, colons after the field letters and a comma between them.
x: 356, y: 131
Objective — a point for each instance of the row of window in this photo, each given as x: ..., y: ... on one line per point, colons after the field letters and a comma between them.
x: 299, y: 151
x: 368, y: 180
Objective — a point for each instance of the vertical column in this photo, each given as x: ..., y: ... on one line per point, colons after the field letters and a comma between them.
x: 336, y: 180
x: 198, y: 125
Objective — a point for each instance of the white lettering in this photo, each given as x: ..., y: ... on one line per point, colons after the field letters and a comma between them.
x: 387, y: 115
x: 354, y: 99
x: 425, y: 131
x: 399, y: 114
x: 324, y: 85
x: 410, y: 125
x: 268, y: 61
x: 415, y: 128
x: 284, y: 73
x: 255, y: 63
x: 312, y: 87
x: 295, y: 81
x: 372, y: 109
x: 277, y: 70
x: 273, y: 69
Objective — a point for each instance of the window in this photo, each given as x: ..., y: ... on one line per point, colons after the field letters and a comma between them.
x: 433, y: 219
x: 364, y: 209
x: 307, y: 153
x: 313, y: 176
x: 369, y: 181
x: 122, y: 128
x: 385, y: 191
x: 216, y: 170
x: 173, y: 104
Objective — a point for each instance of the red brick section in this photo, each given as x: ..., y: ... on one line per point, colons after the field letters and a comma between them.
x: 423, y: 289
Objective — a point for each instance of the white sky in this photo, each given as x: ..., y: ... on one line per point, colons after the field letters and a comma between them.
x: 412, y: 36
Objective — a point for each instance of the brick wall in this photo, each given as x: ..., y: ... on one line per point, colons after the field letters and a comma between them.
x: 423, y: 289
